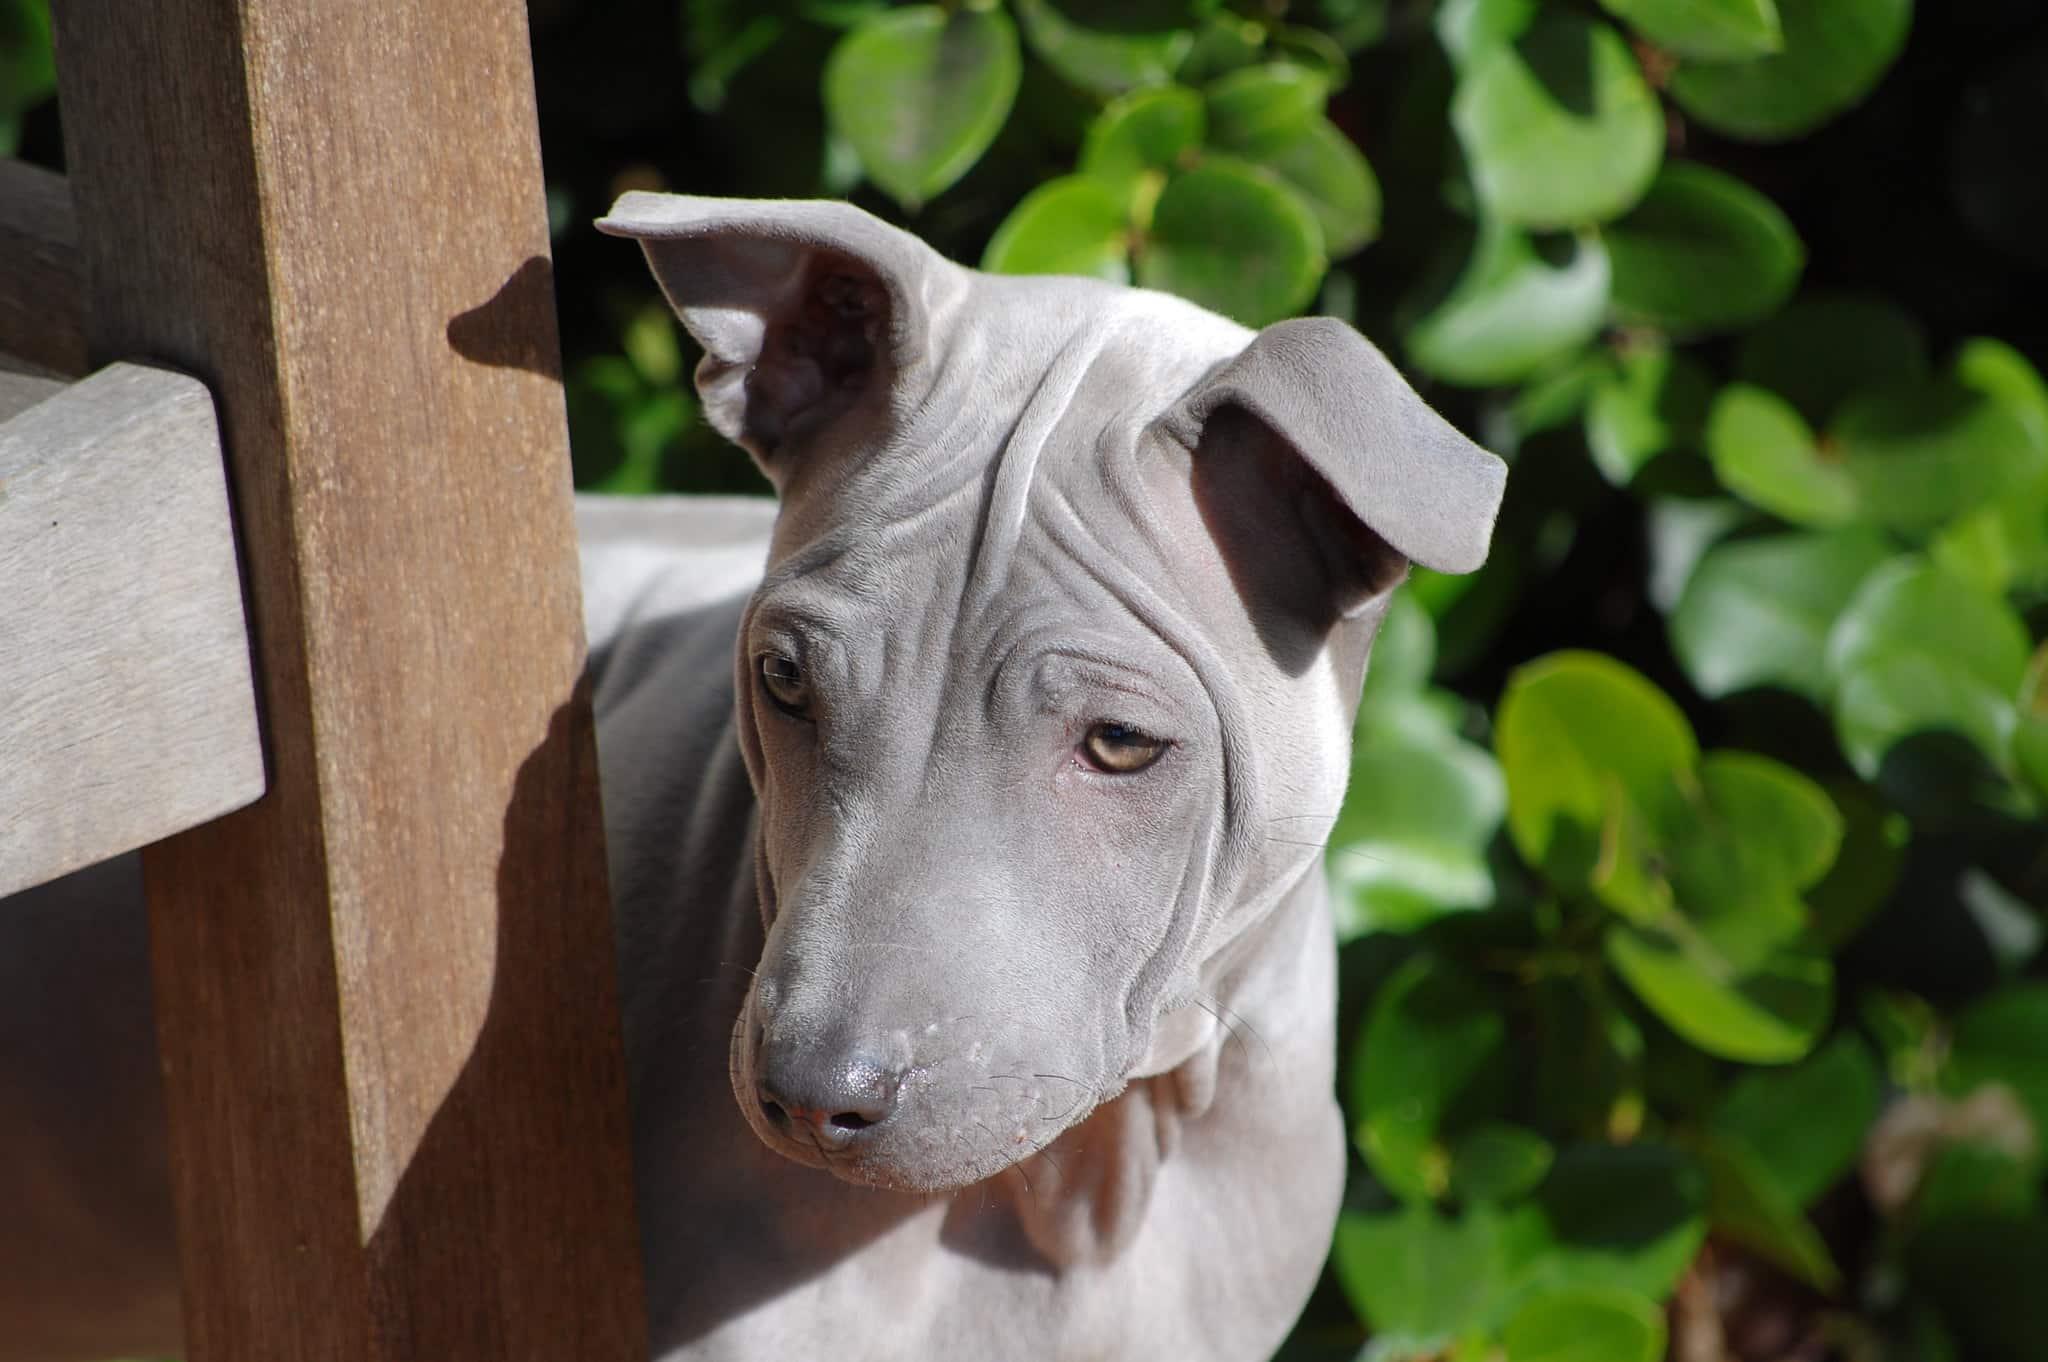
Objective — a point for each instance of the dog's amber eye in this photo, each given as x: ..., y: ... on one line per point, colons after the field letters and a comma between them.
x: 1120, y: 749
x: 784, y: 682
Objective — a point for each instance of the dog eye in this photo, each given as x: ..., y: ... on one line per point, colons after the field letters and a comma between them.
x: 785, y: 684
x: 1120, y: 749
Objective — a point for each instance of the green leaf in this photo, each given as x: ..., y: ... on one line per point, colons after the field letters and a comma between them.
x: 1431, y: 1061
x: 1702, y: 253
x: 1511, y: 310
x: 1403, y: 655
x: 1893, y: 696
x: 1998, y: 371
x: 1766, y: 454
x: 1705, y: 30
x: 1353, y: 23
x: 1585, y: 1325
x: 1864, y: 874
x: 1229, y: 236
x: 1225, y: 41
x: 1259, y: 105
x: 1768, y: 1013
x: 1922, y: 454
x: 1498, y: 1162
x: 2030, y: 737
x: 1913, y: 606
x: 1749, y: 1207
x: 1609, y: 1217
x: 1145, y: 130
x: 1411, y: 842
x: 1469, y: 29
x: 1073, y: 225
x: 1804, y: 1124
x: 1822, y: 349
x: 921, y: 92
x: 2003, y: 1038
x: 1120, y: 46
x: 1574, y: 732
x: 1756, y: 612
x: 1834, y: 53
x: 1558, y: 126
x: 1783, y: 827
x: 1332, y: 177
x: 1654, y: 401
x: 1414, y: 1272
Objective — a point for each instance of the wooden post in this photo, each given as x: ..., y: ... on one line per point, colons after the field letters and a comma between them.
x: 385, y: 992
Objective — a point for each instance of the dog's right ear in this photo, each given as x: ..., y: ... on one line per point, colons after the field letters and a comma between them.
x: 804, y: 307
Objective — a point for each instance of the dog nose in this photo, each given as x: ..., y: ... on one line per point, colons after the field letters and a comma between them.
x: 833, y: 1098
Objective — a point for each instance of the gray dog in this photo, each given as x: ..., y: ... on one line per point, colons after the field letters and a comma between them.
x: 965, y: 819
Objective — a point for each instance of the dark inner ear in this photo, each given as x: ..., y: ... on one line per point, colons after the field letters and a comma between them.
x: 1301, y: 560
x: 819, y: 356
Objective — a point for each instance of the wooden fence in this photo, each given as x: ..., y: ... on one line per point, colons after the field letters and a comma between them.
x: 384, y: 980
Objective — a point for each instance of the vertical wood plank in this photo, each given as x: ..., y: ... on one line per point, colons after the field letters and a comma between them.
x: 385, y: 993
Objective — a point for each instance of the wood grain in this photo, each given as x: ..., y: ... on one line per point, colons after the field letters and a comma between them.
x: 125, y: 672
x: 385, y: 993
x: 42, y: 297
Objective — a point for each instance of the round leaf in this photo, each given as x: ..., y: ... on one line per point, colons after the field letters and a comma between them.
x: 1511, y: 310
x: 1756, y: 612
x: 1332, y: 177
x: 1144, y: 130
x: 1123, y: 45
x: 1766, y: 454
x: 1585, y: 1325
x: 1433, y: 1059
x: 1770, y: 1013
x: 1072, y: 225
x: 1895, y: 696
x: 1230, y: 237
x: 1654, y: 401
x: 920, y: 93
x: 1414, y: 1272
x: 1922, y: 454
x: 1254, y: 107
x: 1612, y: 1218
x: 1498, y: 1162
x: 1805, y: 1124
x: 1834, y: 53
x: 1558, y: 126
x: 1411, y: 842
x: 1576, y: 731
x: 1469, y: 29
x: 1706, y: 30
x: 1783, y: 827
x: 1913, y: 606
x: 1703, y: 252
x: 1821, y: 349
x: 1749, y: 1207
x: 2003, y: 1038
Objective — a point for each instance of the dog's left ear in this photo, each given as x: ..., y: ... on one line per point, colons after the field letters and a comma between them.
x: 805, y: 308
x: 1393, y: 467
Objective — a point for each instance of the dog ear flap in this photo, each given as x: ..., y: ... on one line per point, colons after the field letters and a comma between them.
x: 1390, y: 462
x: 802, y: 306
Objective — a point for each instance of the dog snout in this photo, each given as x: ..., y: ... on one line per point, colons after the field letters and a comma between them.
x: 831, y: 1095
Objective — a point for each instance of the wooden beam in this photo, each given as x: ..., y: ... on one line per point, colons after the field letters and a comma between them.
x: 42, y: 298
x: 125, y: 679
x: 385, y: 993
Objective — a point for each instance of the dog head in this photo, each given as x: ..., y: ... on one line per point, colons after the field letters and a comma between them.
x: 1066, y: 612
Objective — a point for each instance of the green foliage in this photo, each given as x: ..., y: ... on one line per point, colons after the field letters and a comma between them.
x: 1691, y: 881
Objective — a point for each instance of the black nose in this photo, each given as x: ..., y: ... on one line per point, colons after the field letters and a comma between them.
x: 825, y: 1093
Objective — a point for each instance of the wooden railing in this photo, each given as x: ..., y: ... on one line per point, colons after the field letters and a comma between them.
x: 309, y: 240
